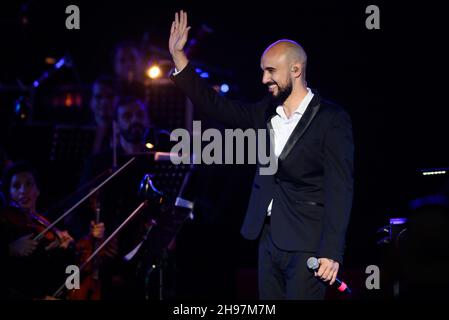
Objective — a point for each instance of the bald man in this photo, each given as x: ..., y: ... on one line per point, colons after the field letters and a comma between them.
x: 303, y: 209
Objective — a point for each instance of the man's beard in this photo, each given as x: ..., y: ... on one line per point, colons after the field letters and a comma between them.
x: 283, y: 93
x: 134, y: 134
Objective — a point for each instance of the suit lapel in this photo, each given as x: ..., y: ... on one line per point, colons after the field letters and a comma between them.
x: 301, y: 127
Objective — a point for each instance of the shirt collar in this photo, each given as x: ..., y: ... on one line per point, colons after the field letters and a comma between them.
x: 300, y: 109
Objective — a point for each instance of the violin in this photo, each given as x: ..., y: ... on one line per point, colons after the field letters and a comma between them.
x: 22, y: 222
x: 50, y: 265
x: 38, y: 223
x: 90, y: 286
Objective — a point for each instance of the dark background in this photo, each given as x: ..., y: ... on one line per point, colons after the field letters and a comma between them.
x: 390, y: 80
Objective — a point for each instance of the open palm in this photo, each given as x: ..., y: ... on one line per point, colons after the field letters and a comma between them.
x: 178, y: 33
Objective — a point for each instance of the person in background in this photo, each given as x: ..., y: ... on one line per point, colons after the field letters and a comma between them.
x: 26, y: 257
x: 102, y: 104
x: 128, y: 62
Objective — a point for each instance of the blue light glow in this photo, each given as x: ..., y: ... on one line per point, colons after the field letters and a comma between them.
x: 397, y: 221
x: 60, y: 63
x: 432, y: 200
x: 224, y: 88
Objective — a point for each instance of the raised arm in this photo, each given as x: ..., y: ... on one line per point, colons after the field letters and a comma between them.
x: 223, y: 110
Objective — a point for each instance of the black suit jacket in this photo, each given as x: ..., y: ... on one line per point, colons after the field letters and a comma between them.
x: 312, y: 189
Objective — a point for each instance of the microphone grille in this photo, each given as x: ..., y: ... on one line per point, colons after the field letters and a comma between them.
x: 312, y: 263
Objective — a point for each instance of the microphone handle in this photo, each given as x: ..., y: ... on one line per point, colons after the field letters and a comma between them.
x: 341, y: 286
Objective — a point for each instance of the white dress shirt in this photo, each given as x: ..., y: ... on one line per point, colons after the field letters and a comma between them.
x: 283, y: 128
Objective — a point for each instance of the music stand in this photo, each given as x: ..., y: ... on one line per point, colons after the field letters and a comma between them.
x: 162, y: 185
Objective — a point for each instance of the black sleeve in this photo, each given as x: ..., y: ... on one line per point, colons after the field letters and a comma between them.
x: 230, y: 113
x: 338, y: 186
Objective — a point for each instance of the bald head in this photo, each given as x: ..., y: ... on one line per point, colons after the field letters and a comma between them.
x: 284, y: 70
x: 287, y: 51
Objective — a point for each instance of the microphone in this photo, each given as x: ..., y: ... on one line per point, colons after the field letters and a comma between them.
x: 313, y: 264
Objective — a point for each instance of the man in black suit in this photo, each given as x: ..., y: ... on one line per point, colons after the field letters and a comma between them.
x: 303, y: 209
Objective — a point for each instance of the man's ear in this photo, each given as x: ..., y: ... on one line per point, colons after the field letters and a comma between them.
x: 296, y: 69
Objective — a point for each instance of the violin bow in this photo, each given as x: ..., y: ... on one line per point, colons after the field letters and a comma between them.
x: 120, y: 227
x: 76, y: 205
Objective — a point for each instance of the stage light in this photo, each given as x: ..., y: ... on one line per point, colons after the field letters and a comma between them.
x: 224, y: 88
x: 68, y: 101
x: 434, y: 172
x: 396, y: 221
x: 154, y: 72
x: 60, y: 63
x: 50, y: 60
x: 149, y: 145
x: 22, y: 108
x: 204, y: 75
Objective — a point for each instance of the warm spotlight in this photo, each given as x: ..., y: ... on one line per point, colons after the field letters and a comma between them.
x: 154, y: 72
x: 50, y: 60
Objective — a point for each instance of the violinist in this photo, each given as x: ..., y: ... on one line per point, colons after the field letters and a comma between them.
x: 34, y: 268
x: 120, y: 197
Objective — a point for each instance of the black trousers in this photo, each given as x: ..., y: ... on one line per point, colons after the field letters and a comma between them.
x: 284, y: 274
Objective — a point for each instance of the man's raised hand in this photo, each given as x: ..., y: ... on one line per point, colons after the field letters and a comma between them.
x: 178, y: 38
